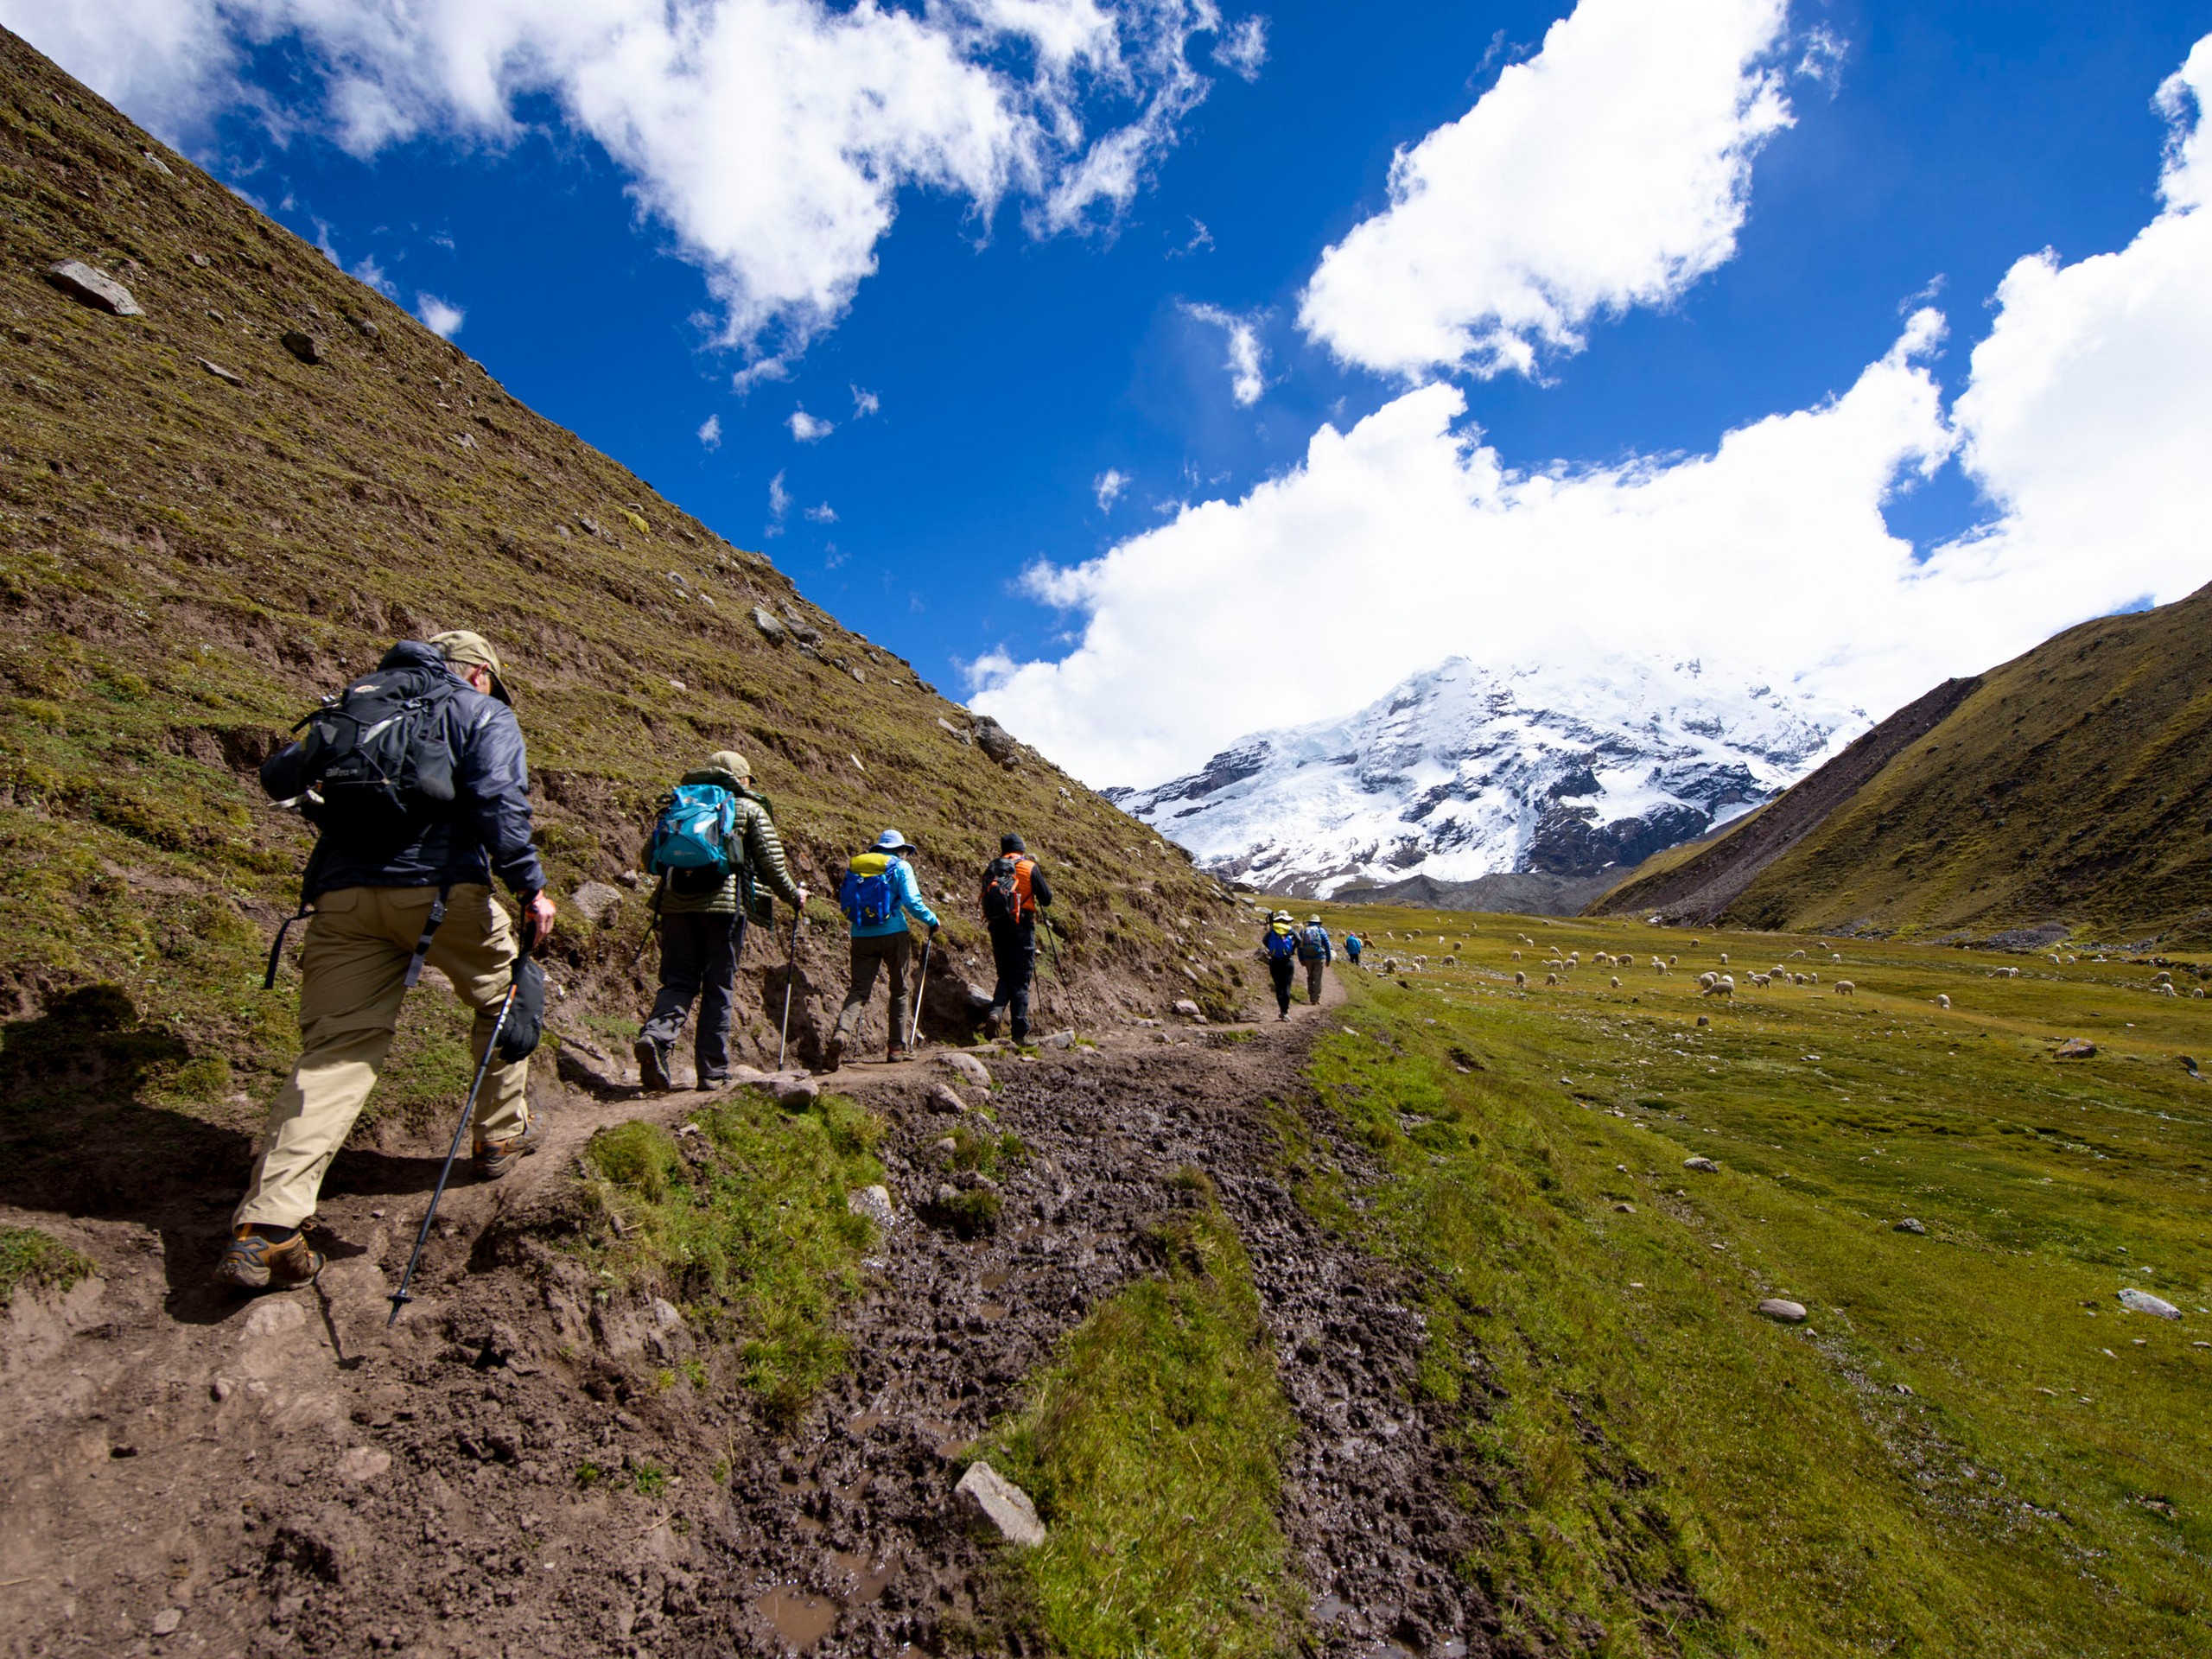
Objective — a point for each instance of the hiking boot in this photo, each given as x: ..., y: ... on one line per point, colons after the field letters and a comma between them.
x: 991, y: 1023
x: 652, y: 1067
x: 1285, y: 1014
x: 713, y: 1079
x: 897, y: 1052
x: 253, y: 1261
x: 495, y: 1158
x: 833, y: 1054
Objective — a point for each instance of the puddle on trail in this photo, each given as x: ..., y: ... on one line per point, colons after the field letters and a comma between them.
x: 801, y: 1620
x: 871, y: 1576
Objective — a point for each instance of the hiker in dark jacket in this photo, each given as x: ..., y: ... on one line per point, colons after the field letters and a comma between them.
x: 1014, y: 890
x: 879, y: 941
x: 372, y: 912
x: 1353, y: 946
x: 1279, y: 950
x: 701, y: 916
x: 1315, y: 952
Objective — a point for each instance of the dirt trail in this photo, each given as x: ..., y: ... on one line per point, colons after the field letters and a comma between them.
x: 187, y: 1473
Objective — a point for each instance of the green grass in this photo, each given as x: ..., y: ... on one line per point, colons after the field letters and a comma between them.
x: 30, y: 1257
x: 1152, y: 1445
x: 753, y: 1239
x: 1945, y: 1459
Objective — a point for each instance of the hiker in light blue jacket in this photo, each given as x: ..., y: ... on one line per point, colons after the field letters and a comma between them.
x: 879, y: 893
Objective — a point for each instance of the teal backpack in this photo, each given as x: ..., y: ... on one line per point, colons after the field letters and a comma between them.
x: 692, y: 835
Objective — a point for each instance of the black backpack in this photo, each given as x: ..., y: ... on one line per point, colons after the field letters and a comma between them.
x: 376, y: 757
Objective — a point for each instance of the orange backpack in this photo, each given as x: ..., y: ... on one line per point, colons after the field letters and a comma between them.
x: 1006, y: 896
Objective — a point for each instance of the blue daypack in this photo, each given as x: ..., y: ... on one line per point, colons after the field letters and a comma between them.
x: 694, y: 830
x: 867, y: 894
x: 1280, y: 946
x: 1313, y: 944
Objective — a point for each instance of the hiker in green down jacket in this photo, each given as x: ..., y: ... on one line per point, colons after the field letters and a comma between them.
x: 699, y: 932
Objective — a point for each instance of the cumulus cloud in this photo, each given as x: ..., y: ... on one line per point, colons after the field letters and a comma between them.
x: 865, y: 404
x: 1612, y: 169
x: 807, y: 429
x: 439, y: 318
x: 1247, y: 376
x: 710, y: 432
x: 1108, y: 487
x: 771, y: 137
x: 2085, y: 419
x: 1243, y: 49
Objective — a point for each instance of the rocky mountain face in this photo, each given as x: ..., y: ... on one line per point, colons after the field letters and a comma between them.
x: 1464, y: 771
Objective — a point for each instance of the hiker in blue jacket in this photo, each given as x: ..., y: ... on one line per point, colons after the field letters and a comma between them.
x: 1353, y: 945
x: 1279, y: 950
x: 879, y: 893
x: 1315, y: 952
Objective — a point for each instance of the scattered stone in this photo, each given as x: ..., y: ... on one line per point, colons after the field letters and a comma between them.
x: 2076, y: 1048
x: 677, y: 685
x: 945, y: 1147
x: 1776, y: 1308
x: 1704, y: 1020
x: 219, y: 1390
x: 970, y: 1068
x: 595, y: 901
x: 231, y: 376
x: 1702, y: 1165
x: 201, y: 260
x: 305, y: 347
x: 954, y: 730
x: 770, y: 629
x: 2142, y: 1301
x: 797, y: 1093
x: 944, y: 1095
x: 875, y: 1203
x: 362, y: 1463
x: 1625, y: 1208
x: 631, y: 880
x: 995, y: 740
x: 988, y: 1500
x: 365, y: 326
x: 169, y: 1618
x: 272, y: 1317
x: 1059, y: 1040
x: 1187, y: 1008
x: 94, y: 288
x: 1909, y: 1225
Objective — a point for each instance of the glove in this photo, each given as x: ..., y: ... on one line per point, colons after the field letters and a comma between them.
x: 933, y: 927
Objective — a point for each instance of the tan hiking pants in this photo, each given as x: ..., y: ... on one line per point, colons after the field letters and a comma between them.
x: 359, y: 941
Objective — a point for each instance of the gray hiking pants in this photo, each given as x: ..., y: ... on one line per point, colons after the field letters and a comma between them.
x: 887, y: 952
x: 698, y: 959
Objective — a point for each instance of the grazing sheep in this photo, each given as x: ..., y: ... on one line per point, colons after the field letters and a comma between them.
x: 1812, y: 979
x: 1551, y: 979
x: 2164, y: 990
x: 1724, y: 986
x: 1451, y: 962
x: 1942, y: 1001
x: 1521, y: 979
x: 1835, y: 956
x: 1517, y: 956
x: 1724, y: 958
x: 1845, y: 988
x: 1616, y: 983
x: 2198, y: 992
x: 1794, y: 954
x: 1574, y: 956
x: 1706, y: 981
x: 1389, y: 964
x: 1674, y: 961
x: 1796, y: 979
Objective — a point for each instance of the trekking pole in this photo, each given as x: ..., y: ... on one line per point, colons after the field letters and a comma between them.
x: 467, y: 1115
x: 921, y: 979
x: 791, y: 974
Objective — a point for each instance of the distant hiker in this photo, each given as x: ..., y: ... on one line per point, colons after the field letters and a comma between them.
x: 1353, y: 946
x: 1278, y: 945
x: 1315, y: 952
x: 400, y: 876
x: 1014, y: 890
x: 713, y: 840
x: 879, y: 893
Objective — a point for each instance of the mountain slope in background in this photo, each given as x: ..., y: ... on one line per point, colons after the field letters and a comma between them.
x: 1562, y: 773
x: 201, y: 531
x: 2068, y: 790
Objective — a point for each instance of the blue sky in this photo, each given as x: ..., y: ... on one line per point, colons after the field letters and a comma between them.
x: 1008, y: 368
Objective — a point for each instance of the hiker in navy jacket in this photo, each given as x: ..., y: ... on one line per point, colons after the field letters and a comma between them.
x: 1315, y: 952
x: 879, y: 941
x: 1278, y: 949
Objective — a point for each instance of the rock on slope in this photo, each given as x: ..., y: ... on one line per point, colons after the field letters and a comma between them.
x: 1463, y: 773
x: 213, y: 511
x: 2070, y: 787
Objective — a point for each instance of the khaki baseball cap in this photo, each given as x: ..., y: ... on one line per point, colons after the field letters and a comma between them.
x: 459, y: 645
x: 731, y: 761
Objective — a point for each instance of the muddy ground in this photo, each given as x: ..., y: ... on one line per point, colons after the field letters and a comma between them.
x: 184, y: 1472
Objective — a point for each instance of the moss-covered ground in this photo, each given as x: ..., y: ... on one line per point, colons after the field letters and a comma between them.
x: 1968, y: 1447
x: 39, y: 1260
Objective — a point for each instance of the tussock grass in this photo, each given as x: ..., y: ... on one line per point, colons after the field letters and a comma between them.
x: 28, y: 1257
x: 747, y: 1229
x: 1968, y: 1448
x: 1151, y: 1445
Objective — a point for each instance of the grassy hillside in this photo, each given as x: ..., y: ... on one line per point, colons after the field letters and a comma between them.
x: 190, y: 557
x: 1969, y: 1447
x: 2069, y: 789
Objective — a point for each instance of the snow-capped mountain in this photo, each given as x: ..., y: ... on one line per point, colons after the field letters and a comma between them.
x: 1463, y: 771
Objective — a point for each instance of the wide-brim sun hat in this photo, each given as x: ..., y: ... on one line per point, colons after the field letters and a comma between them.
x: 891, y: 841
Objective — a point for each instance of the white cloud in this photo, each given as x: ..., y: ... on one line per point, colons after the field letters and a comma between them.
x: 2086, y: 418
x: 779, y: 498
x: 1108, y: 487
x: 372, y: 273
x: 1243, y: 49
x: 439, y: 318
x: 1612, y: 169
x: 1247, y: 378
x: 759, y: 370
x: 771, y: 137
x: 710, y: 432
x: 825, y: 514
x: 807, y: 429
x: 865, y: 404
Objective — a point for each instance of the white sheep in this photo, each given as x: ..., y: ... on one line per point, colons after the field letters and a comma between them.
x: 1706, y: 981
x: 1813, y: 979
x: 1551, y: 979
x: 1724, y: 986
x: 1724, y: 958
x: 2164, y: 990
x: 2198, y: 992
x: 1758, y: 981
x: 1521, y: 979
x: 1517, y: 956
x: 1942, y: 1001
x: 1794, y: 954
x: 1845, y: 988
x: 1616, y: 983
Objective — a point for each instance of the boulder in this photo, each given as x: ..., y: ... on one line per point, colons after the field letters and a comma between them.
x: 364, y: 327
x: 595, y: 901
x: 797, y: 1093
x: 1788, y: 1313
x: 229, y: 377
x: 944, y: 1096
x: 2076, y: 1048
x: 305, y: 347
x: 770, y: 629
x: 94, y: 288
x: 1187, y: 1008
x: 1909, y: 1225
x: 1059, y: 1040
x: 1703, y: 1166
x: 991, y: 1503
x: 995, y: 740
x: 954, y: 731
x: 2142, y: 1301
x: 968, y: 1066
